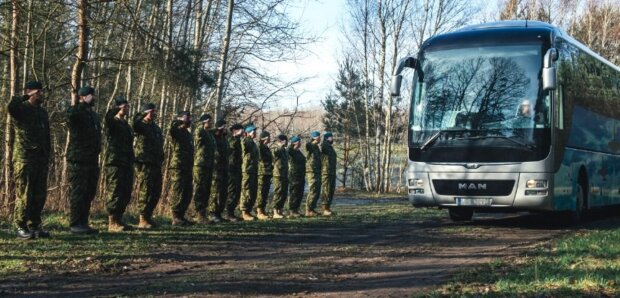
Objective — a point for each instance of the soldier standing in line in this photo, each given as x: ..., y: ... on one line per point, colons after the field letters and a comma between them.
x: 83, y: 160
x: 313, y: 173
x: 265, y: 173
x: 31, y: 160
x: 219, y: 182
x: 280, y: 177
x: 118, y: 164
x: 235, y: 162
x: 297, y: 172
x: 329, y: 163
x: 203, y: 166
x: 250, y: 173
x: 181, y: 163
x: 149, y: 150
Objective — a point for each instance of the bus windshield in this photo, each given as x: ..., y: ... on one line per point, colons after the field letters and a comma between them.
x: 490, y: 94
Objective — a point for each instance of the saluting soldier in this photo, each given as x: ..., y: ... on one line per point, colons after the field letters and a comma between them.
x: 313, y: 173
x: 31, y: 154
x: 149, y: 150
x: 265, y: 173
x: 328, y: 172
x: 118, y: 164
x: 219, y: 182
x: 235, y: 161
x: 297, y: 172
x: 203, y: 166
x: 280, y: 176
x: 181, y: 167
x: 83, y: 159
x: 250, y: 173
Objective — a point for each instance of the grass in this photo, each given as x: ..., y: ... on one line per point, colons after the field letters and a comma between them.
x: 584, y: 264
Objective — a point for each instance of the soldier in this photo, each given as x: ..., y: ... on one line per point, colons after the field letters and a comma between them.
x: 203, y: 166
x: 297, y: 166
x: 250, y: 173
x: 118, y: 164
x: 234, y: 172
x: 181, y: 163
x: 280, y: 177
x: 265, y: 173
x: 30, y: 159
x: 83, y: 159
x: 149, y: 150
x: 219, y: 182
x: 313, y: 173
x: 328, y: 176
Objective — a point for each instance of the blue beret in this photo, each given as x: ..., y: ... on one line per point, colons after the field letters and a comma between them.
x: 295, y: 139
x: 86, y: 91
x: 315, y: 134
x: 327, y: 134
x: 33, y: 85
x: 250, y: 128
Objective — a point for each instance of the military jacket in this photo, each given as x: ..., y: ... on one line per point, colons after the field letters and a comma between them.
x: 313, y: 155
x: 328, y: 159
x: 280, y: 162
x: 221, y: 154
x: 32, y: 131
x: 235, y: 158
x: 265, y: 167
x: 182, y: 146
x: 149, y: 145
x: 85, y: 134
x: 250, y: 156
x: 296, y: 162
x: 119, y: 136
x: 205, y: 148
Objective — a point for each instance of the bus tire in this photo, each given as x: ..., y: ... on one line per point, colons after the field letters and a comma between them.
x: 461, y: 214
x: 578, y: 214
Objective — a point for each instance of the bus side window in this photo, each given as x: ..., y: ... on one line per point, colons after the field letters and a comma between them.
x: 559, y: 107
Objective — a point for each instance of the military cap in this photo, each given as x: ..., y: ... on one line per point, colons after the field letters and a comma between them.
x: 220, y: 123
x: 282, y: 137
x: 250, y: 128
x: 33, y: 85
x: 148, y: 106
x: 86, y: 91
x: 264, y: 134
x: 119, y: 101
x: 204, y: 118
x: 327, y: 135
x: 295, y: 139
x: 236, y: 126
x: 315, y: 134
x: 183, y: 113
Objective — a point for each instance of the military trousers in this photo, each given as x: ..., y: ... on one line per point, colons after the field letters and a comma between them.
x: 296, y: 192
x: 264, y: 185
x: 234, y: 191
x: 119, y: 182
x: 219, y: 192
x: 202, y: 187
x: 327, y: 190
x: 149, y: 179
x: 314, y: 189
x: 280, y: 192
x: 83, y: 180
x: 250, y: 190
x: 181, y: 186
x: 31, y: 193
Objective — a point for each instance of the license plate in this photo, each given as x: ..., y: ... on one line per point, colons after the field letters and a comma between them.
x: 473, y: 201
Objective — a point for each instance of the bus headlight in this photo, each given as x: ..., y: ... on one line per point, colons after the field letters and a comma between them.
x: 532, y: 183
x: 416, y: 186
x: 536, y: 187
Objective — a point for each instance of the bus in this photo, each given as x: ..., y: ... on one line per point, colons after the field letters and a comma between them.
x: 511, y: 116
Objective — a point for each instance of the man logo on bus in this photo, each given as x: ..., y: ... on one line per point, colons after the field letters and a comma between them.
x: 478, y: 186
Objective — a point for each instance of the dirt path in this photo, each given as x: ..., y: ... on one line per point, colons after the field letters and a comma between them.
x: 383, y: 258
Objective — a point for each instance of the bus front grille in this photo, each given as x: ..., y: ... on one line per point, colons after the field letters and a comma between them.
x: 473, y: 187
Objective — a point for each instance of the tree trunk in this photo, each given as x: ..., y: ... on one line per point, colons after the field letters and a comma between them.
x: 9, y: 137
x: 223, y: 58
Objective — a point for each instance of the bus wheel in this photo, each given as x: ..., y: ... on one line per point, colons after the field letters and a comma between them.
x: 461, y: 214
x: 575, y: 216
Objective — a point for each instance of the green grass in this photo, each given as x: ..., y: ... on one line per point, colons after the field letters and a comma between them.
x: 584, y: 264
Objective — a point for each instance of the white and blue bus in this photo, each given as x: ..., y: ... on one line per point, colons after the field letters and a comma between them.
x: 512, y: 116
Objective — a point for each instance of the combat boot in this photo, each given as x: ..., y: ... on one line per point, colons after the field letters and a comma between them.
x: 328, y: 212
x: 260, y: 214
x: 294, y: 214
x: 145, y: 223
x: 181, y: 221
x: 214, y: 218
x: 277, y: 214
x: 230, y: 216
x: 311, y: 213
x: 83, y: 229
x: 115, y: 225
x: 202, y: 217
x: 247, y: 216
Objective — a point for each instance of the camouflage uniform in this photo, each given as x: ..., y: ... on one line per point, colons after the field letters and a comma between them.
x: 219, y: 182
x: 31, y: 154
x: 280, y: 177
x: 149, y: 150
x: 82, y: 161
x: 250, y: 174
x: 118, y: 162
x: 297, y: 166
x: 203, y: 167
x: 265, y: 173
x: 329, y: 162
x: 235, y: 161
x: 181, y: 168
x: 313, y: 174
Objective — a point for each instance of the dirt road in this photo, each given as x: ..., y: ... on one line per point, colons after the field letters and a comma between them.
x: 373, y: 255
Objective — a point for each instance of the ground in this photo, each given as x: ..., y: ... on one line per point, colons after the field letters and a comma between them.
x: 373, y: 247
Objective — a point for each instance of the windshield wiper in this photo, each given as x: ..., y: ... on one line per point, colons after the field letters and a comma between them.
x: 431, y: 140
x: 522, y: 144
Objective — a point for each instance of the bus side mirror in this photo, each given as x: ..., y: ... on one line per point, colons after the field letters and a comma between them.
x: 549, y: 75
x: 397, y: 79
x: 395, y: 85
